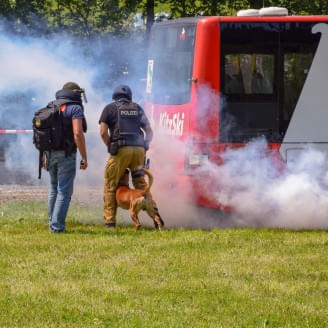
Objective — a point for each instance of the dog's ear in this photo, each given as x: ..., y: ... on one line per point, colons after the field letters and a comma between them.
x: 126, y: 175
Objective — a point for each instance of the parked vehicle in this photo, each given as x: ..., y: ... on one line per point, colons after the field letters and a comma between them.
x: 219, y: 82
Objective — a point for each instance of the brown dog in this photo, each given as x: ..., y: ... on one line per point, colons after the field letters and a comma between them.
x: 136, y: 200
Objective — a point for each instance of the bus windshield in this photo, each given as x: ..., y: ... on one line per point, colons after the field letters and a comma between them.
x: 170, y: 64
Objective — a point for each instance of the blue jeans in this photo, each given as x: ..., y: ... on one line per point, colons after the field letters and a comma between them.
x: 62, y: 172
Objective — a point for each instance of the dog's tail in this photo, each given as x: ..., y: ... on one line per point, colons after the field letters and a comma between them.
x: 150, y: 180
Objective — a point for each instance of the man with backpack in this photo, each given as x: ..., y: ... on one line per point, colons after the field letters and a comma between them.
x: 125, y: 130
x: 58, y: 133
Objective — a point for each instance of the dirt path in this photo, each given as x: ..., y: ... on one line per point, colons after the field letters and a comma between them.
x: 17, y: 192
x: 19, y: 186
x: 35, y: 193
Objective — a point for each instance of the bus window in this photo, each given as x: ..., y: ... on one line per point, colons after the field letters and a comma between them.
x: 298, y: 46
x: 233, y: 81
x: 269, y: 63
x: 171, y: 52
x: 296, y: 68
x: 250, y: 106
x: 248, y: 73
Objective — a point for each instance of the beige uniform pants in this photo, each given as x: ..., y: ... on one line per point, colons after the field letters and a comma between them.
x: 127, y: 157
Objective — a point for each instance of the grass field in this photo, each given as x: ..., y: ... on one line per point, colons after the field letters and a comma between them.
x: 93, y: 277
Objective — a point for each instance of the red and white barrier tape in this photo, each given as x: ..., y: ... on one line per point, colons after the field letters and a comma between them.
x: 15, y: 131
x: 2, y: 131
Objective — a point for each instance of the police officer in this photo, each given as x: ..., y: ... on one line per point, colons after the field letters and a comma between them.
x: 125, y: 130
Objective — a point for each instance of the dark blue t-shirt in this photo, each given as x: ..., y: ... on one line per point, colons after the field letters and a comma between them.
x: 73, y: 112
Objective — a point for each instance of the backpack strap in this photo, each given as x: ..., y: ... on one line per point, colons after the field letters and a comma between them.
x: 40, y: 163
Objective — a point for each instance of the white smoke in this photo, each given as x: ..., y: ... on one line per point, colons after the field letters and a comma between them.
x: 32, y: 70
x: 256, y: 186
x: 260, y: 192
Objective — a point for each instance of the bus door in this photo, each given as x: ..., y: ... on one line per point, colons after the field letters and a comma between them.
x: 170, y: 63
x: 169, y: 83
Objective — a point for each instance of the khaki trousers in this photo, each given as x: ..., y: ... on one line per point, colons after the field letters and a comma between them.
x: 127, y: 157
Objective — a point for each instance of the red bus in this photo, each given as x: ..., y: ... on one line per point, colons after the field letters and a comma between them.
x: 219, y: 82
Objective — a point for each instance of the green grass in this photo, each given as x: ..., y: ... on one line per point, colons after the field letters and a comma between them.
x: 93, y: 277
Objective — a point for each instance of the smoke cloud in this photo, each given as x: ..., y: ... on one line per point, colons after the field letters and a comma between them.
x: 259, y: 192
x: 263, y: 193
x: 33, y: 69
x: 257, y: 187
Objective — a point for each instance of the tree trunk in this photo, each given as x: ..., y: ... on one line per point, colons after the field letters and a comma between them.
x: 214, y: 6
x: 150, y: 8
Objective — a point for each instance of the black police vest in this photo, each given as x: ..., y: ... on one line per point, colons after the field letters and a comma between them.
x: 128, y: 124
x: 66, y: 96
x: 68, y: 143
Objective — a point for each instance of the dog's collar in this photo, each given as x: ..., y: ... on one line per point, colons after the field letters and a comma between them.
x: 123, y: 184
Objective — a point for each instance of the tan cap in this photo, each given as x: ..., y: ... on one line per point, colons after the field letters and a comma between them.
x: 72, y: 86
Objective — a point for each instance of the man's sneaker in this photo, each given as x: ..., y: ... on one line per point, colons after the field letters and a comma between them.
x: 57, y: 231
x: 110, y: 225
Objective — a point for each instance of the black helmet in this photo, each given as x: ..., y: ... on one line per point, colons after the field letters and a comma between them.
x: 122, y: 91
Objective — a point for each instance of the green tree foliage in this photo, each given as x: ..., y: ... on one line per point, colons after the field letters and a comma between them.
x: 5, y: 8
x: 89, y: 17
x: 183, y: 8
x: 295, y: 7
x: 211, y: 7
x: 146, y: 7
x: 25, y: 14
x: 99, y: 17
x: 84, y: 18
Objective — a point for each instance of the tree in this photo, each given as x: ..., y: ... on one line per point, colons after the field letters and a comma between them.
x: 87, y: 18
x: 210, y: 7
x: 295, y: 7
x: 150, y: 14
x: 147, y: 8
x: 29, y: 15
x: 90, y: 17
x: 184, y: 8
x: 5, y: 9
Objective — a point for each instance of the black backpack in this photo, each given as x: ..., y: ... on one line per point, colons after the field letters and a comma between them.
x: 48, y: 130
